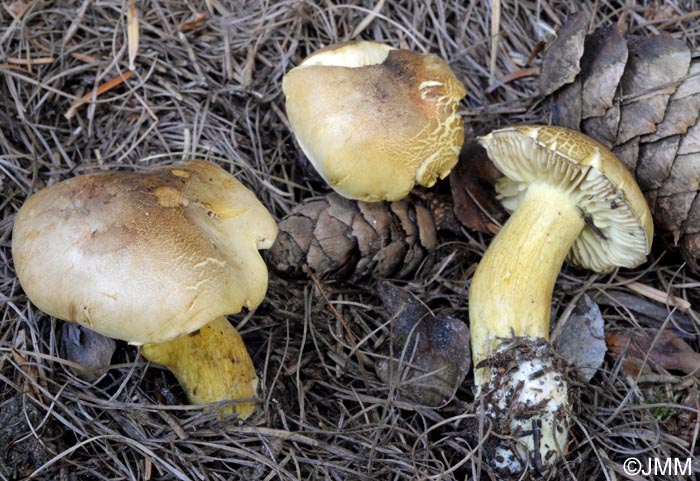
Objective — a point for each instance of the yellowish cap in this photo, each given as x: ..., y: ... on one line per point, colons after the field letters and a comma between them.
x: 375, y: 120
x: 144, y: 257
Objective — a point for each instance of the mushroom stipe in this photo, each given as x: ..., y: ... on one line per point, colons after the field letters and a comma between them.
x: 571, y: 198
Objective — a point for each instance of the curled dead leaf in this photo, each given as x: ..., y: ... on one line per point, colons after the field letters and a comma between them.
x: 428, y: 356
x: 472, y: 184
x: 582, y: 339
x: 663, y: 350
x: 87, y: 348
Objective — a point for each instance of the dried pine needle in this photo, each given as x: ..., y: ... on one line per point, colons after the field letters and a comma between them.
x: 30, y: 61
x: 132, y: 31
x: 105, y: 87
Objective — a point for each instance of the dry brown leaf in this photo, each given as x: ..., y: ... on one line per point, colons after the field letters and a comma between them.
x: 664, y: 350
x: 602, y: 66
x: 428, y: 356
x: 582, y: 340
x: 561, y: 63
x: 87, y: 348
x: 473, y: 194
x: 194, y: 21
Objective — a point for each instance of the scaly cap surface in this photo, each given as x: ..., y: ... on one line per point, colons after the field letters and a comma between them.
x: 375, y: 120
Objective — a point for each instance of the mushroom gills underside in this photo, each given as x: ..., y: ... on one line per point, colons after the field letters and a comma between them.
x: 613, y: 235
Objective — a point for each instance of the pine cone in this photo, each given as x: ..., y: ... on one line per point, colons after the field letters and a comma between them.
x: 337, y: 237
x: 639, y: 96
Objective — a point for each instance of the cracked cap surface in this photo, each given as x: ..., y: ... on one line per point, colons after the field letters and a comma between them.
x: 374, y: 120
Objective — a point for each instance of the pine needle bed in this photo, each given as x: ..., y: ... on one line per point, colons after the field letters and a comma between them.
x: 208, y: 85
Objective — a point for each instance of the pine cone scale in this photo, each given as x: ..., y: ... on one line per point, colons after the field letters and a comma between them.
x: 602, y: 71
x: 337, y: 237
x: 639, y: 96
x: 655, y: 162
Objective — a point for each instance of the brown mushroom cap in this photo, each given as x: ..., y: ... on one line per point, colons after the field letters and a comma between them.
x: 619, y: 228
x: 375, y: 120
x: 144, y: 257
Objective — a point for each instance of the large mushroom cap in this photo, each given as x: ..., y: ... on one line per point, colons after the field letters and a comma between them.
x: 144, y: 257
x: 375, y: 120
x: 619, y: 228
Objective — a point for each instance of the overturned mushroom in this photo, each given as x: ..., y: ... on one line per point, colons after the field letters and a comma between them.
x: 375, y: 120
x: 154, y: 258
x: 570, y: 198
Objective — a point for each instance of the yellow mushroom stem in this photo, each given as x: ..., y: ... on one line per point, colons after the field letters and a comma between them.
x: 511, y: 291
x: 211, y: 364
x: 509, y: 311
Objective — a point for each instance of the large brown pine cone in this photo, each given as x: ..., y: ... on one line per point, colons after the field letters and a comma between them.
x: 337, y: 237
x: 640, y: 96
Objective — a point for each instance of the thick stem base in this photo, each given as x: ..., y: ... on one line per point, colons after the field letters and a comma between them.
x: 211, y: 364
x: 526, y: 401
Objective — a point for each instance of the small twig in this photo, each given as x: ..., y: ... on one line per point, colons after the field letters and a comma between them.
x: 105, y: 87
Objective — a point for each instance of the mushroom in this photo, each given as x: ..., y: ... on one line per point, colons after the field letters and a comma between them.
x: 571, y: 198
x: 155, y: 258
x: 375, y: 120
